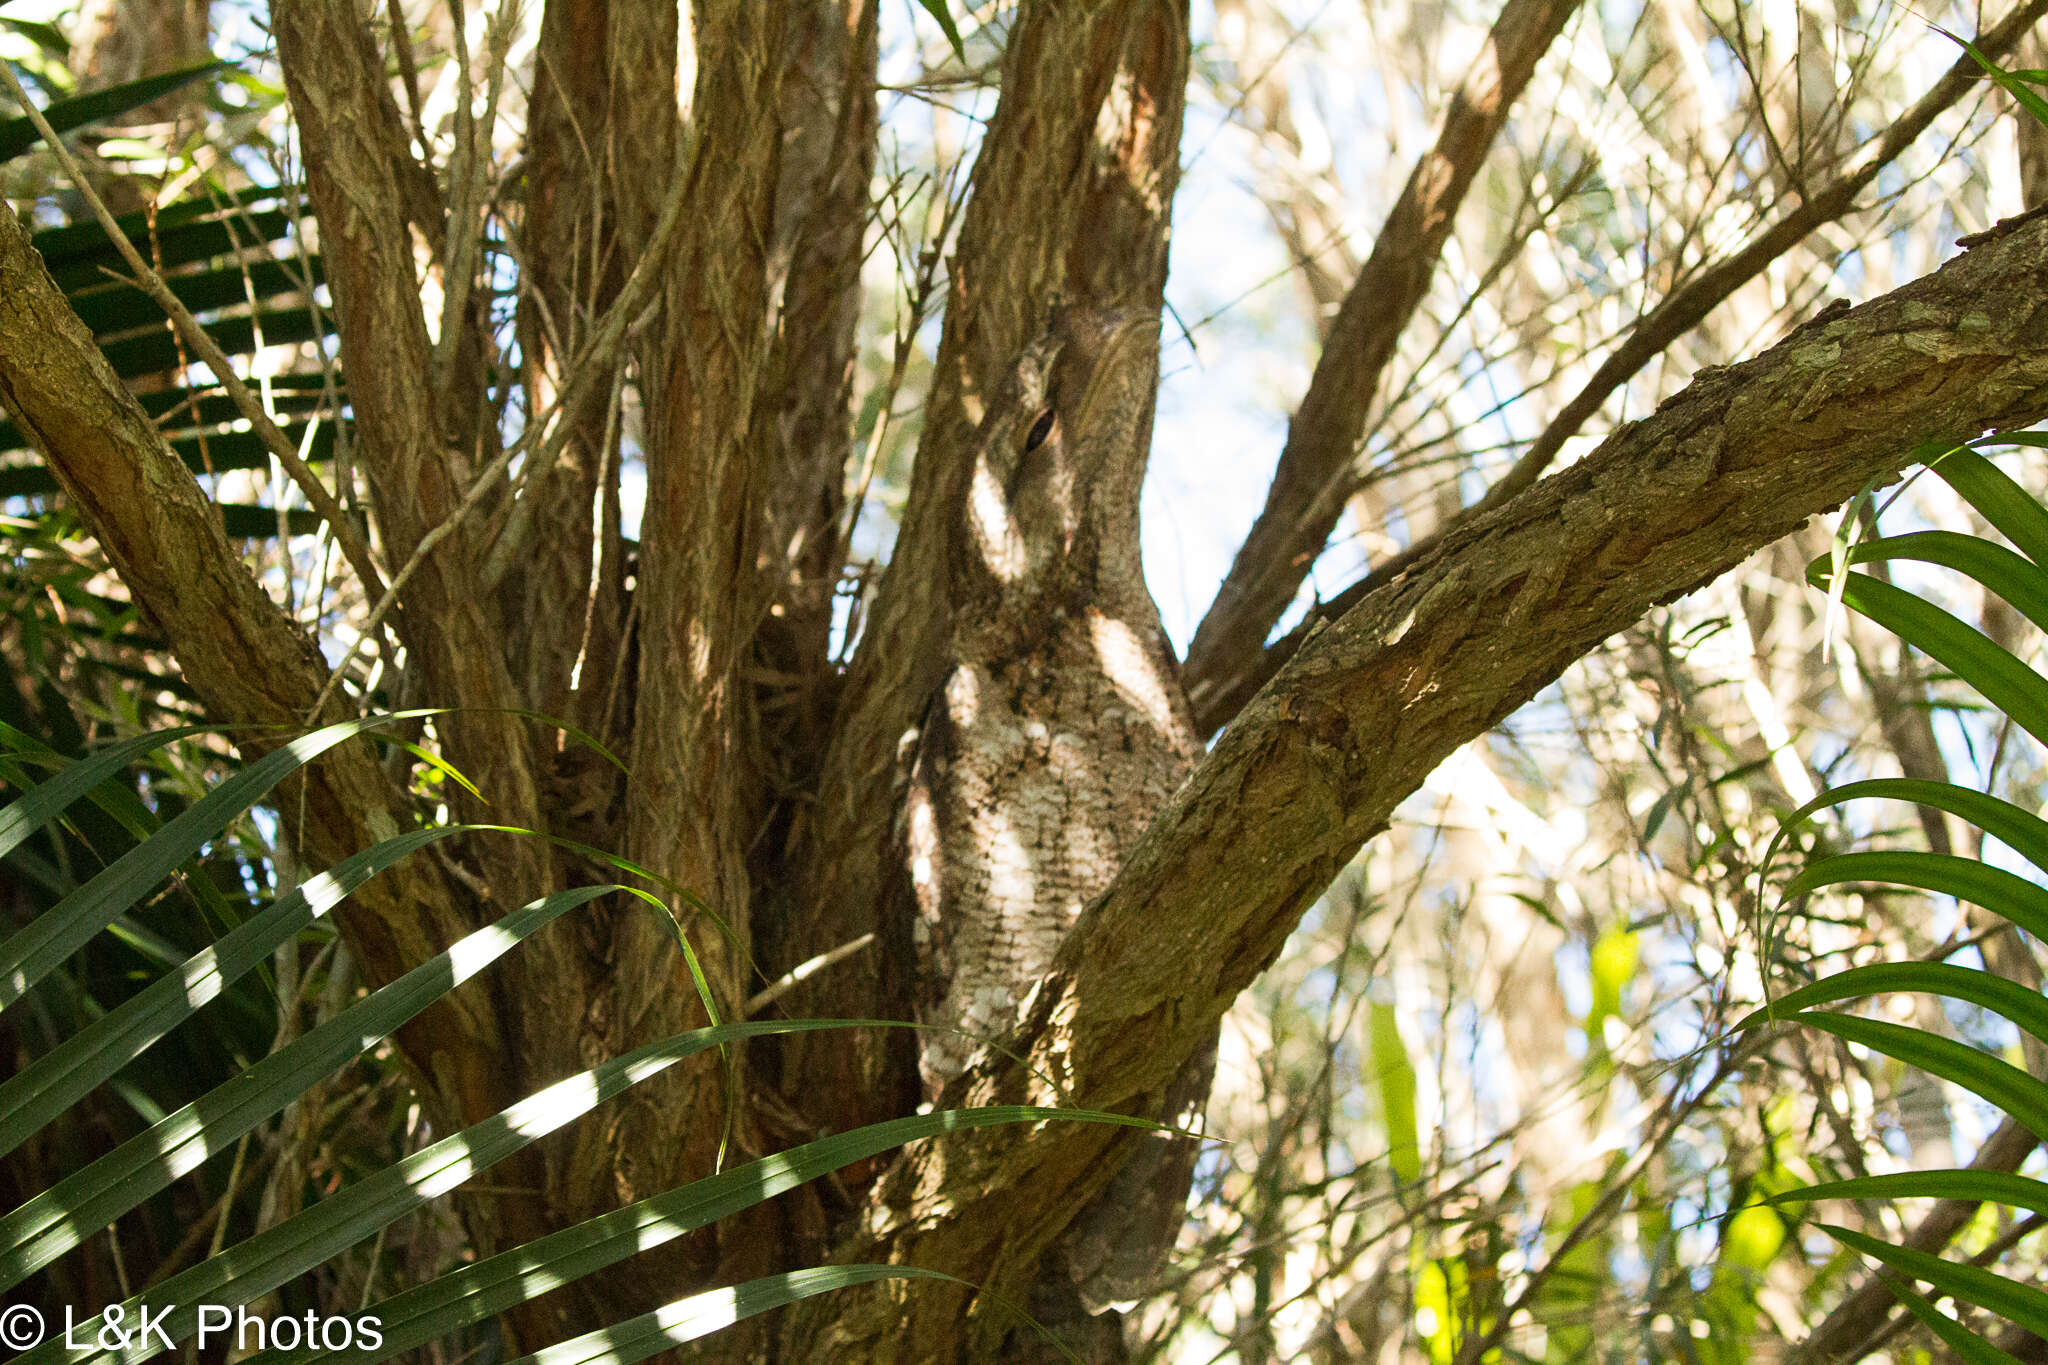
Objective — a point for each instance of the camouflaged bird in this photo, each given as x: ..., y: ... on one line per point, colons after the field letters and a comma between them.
x: 1059, y: 731
x: 1060, y: 728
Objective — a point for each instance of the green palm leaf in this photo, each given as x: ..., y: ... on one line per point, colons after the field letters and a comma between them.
x: 62, y: 1216
x: 17, y: 135
x: 91, y: 1199
x: 1973, y: 1349
x: 54, y: 935
x: 2022, y: 831
x: 2013, y: 577
x: 702, y: 1314
x: 2005, y: 893
x: 477, y: 1292
x: 1993, y: 1187
x: 2006, y: 683
x: 2003, y: 503
x: 2008, y: 999
x: 267, y: 1260
x: 69, y: 1071
x: 2017, y: 1303
x: 229, y: 258
x: 44, y: 802
x: 1997, y: 1082
x: 2022, y: 695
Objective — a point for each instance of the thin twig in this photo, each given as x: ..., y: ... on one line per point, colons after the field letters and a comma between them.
x: 471, y: 165
x: 594, y: 361
x: 1617, y: 1190
x: 924, y: 283
x: 790, y: 979
x: 609, y: 334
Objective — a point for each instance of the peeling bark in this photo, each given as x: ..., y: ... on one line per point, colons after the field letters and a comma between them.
x: 803, y: 426
x: 406, y: 430
x: 803, y: 422
x: 695, y: 773
x: 572, y: 272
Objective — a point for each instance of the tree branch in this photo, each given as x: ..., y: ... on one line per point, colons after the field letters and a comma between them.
x: 1318, y: 761
x: 1221, y: 680
x: 571, y: 268
x: 695, y: 770
x: 455, y: 650
x: 1314, y: 477
x: 803, y: 423
x: 1846, y: 1331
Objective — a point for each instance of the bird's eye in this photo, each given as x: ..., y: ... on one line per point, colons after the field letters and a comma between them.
x: 1040, y: 429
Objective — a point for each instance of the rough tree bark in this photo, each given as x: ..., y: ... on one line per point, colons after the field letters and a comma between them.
x: 770, y: 781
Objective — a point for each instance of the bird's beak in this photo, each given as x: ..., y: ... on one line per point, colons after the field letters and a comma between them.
x: 1113, y: 343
